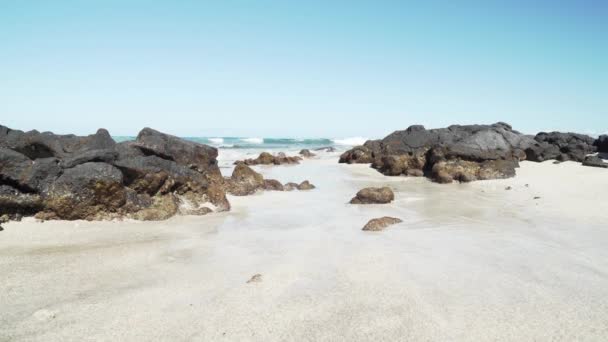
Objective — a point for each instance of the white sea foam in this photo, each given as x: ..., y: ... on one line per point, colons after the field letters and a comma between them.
x: 253, y: 140
x: 352, y: 141
x: 217, y: 140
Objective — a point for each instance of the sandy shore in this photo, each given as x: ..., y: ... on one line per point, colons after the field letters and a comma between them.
x: 470, y: 262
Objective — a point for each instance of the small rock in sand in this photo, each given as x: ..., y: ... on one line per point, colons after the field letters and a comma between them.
x: 508, y: 188
x: 44, y: 315
x: 373, y: 195
x: 378, y: 224
x: 4, y: 218
x: 256, y: 278
x: 536, y: 197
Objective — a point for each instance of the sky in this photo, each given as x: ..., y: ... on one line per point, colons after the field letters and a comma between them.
x: 302, y: 68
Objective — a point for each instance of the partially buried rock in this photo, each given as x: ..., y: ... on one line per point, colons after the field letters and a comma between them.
x: 594, y: 161
x: 306, y: 153
x: 378, y: 224
x: 305, y: 185
x: 256, y: 278
x: 373, y: 196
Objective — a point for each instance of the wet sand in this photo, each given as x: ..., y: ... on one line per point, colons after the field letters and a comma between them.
x: 470, y: 262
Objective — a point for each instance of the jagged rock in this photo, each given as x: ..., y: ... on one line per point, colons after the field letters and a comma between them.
x: 273, y: 185
x: 28, y: 176
x: 373, y: 195
x: 594, y: 161
x: 306, y: 153
x: 381, y: 223
x: 200, y: 157
x: 35, y: 145
x: 244, y: 181
x: 560, y: 146
x: 266, y: 158
x: 463, y: 153
x: 305, y: 185
x: 602, y: 144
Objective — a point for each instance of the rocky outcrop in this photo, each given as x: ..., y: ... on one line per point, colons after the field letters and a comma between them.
x: 381, y: 223
x: 71, y: 177
x: 560, y: 146
x: 245, y: 181
x: 602, y: 144
x: 266, y: 158
x: 373, y: 196
x: 306, y: 153
x: 461, y: 153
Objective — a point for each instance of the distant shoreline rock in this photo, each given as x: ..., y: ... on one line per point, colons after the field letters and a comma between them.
x: 466, y: 153
x: 266, y: 158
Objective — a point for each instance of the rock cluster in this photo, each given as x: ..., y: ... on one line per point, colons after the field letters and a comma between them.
x: 373, y: 196
x: 93, y: 177
x: 561, y: 147
x: 466, y: 153
x: 266, y: 158
x: 245, y: 181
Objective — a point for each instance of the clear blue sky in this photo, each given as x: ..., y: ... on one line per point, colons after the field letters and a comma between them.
x: 302, y: 68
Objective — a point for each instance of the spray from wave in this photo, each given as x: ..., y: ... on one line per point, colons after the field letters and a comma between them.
x: 253, y: 140
x: 352, y: 141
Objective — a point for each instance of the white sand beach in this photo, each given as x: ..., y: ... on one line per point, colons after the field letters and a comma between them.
x: 470, y: 262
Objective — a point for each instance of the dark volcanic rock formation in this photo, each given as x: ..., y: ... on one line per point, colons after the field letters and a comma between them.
x: 560, y: 146
x: 373, y: 196
x: 602, y: 144
x: 92, y: 177
x: 463, y: 153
